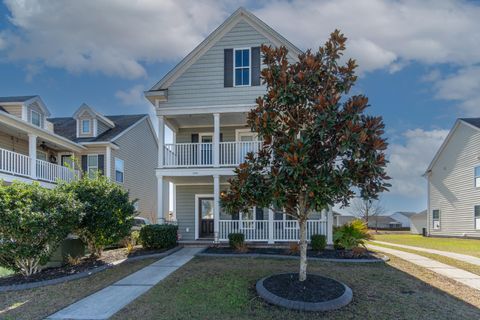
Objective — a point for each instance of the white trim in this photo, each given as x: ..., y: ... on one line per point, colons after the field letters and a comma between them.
x: 24, y: 112
x: 204, y: 134
x: 39, y: 118
x: 197, y: 197
x: 475, y: 226
x: 203, y: 126
x: 194, y: 172
x: 101, y: 144
x: 199, y: 183
x: 89, y: 126
x: 439, y: 220
x: 95, y: 127
x: 88, y: 166
x: 246, y: 130
x: 249, y: 67
x: 10, y: 178
x: 176, y: 111
x: 108, y: 162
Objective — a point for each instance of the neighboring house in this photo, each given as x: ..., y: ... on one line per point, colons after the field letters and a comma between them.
x: 204, y: 100
x: 454, y: 183
x: 340, y: 219
x: 34, y: 147
x: 403, y: 218
x: 418, y: 222
x: 383, y: 222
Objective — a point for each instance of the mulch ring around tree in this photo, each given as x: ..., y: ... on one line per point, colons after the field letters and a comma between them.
x: 316, y: 293
x: 85, y: 264
x: 325, y: 254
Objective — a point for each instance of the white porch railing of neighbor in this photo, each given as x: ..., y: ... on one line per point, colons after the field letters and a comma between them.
x: 14, y: 163
x: 259, y: 230
x: 52, y: 172
x: 202, y: 154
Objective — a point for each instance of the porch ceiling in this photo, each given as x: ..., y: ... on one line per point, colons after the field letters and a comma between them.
x: 206, y: 120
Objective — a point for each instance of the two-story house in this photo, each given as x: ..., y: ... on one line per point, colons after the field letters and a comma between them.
x: 204, y: 101
x: 454, y: 183
x: 35, y: 147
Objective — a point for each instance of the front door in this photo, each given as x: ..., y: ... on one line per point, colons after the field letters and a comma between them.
x: 205, y: 206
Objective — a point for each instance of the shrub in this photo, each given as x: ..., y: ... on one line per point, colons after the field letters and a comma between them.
x: 236, y: 240
x: 33, y: 223
x: 108, y: 212
x: 351, y: 235
x: 318, y: 242
x: 294, y: 248
x: 159, y: 236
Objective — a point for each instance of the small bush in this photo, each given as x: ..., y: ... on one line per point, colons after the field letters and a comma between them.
x: 351, y: 235
x: 236, y: 240
x: 159, y: 236
x: 318, y: 242
x: 294, y: 248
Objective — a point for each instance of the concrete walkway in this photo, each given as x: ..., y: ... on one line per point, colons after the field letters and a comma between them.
x: 462, y: 276
x: 106, y: 302
x: 453, y: 255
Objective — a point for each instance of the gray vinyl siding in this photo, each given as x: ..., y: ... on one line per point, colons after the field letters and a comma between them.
x: 101, y: 127
x: 185, y: 208
x: 15, y: 110
x: 202, y: 83
x: 184, y: 135
x: 139, y: 151
x: 451, y: 185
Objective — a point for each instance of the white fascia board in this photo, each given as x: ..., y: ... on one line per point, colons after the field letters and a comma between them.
x: 193, y: 172
x: 100, y: 144
x: 204, y: 109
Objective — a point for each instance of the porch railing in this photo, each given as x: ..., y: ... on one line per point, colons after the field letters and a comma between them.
x: 202, y: 154
x: 52, y: 172
x: 270, y: 231
x: 14, y: 163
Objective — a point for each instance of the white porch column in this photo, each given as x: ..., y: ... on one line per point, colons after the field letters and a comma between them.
x: 160, y: 206
x: 329, y: 226
x: 161, y: 140
x: 216, y: 206
x: 32, y: 153
x: 108, y: 160
x: 216, y: 139
x: 270, y: 226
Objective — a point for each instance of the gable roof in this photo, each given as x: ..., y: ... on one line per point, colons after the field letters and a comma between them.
x: 382, y: 219
x: 85, y: 107
x: 67, y: 127
x: 16, y: 99
x: 471, y: 122
x: 26, y: 99
x: 240, y: 14
x: 406, y: 214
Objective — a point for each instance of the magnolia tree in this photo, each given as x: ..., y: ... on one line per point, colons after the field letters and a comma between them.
x: 319, y: 147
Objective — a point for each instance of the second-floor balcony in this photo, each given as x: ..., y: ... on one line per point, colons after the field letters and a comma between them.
x: 230, y: 153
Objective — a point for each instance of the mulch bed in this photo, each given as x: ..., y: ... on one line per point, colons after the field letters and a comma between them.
x: 86, y: 263
x: 315, y: 289
x: 325, y: 254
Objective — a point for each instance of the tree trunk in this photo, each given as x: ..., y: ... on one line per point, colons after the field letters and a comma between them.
x: 303, y: 250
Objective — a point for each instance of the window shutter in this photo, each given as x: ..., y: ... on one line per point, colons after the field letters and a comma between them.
x: 194, y: 156
x: 221, y: 137
x: 255, y: 66
x: 84, y: 163
x: 101, y: 163
x: 194, y: 137
x: 258, y: 213
x: 228, y: 68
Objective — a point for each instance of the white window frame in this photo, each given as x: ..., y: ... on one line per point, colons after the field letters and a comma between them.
x: 42, y: 152
x: 89, y: 126
x: 88, y: 163
x: 122, y: 171
x: 475, y: 177
x: 249, y: 67
x: 39, y: 118
x: 436, y: 226
x: 476, y: 221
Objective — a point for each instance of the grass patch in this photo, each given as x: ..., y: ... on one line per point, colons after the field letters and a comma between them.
x: 464, y: 246
x: 220, y: 288
x: 450, y: 261
x: 38, y: 303
x: 5, y: 272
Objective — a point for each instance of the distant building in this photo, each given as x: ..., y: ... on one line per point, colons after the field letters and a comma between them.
x: 383, y: 222
x: 418, y: 222
x: 403, y: 218
x: 340, y: 219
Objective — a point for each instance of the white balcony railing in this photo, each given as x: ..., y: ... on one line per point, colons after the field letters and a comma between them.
x: 14, y: 163
x: 17, y: 164
x: 259, y: 230
x: 202, y: 154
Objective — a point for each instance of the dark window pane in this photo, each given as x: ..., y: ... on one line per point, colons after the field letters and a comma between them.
x: 477, y: 211
x: 246, y: 58
x: 238, y: 77
x: 238, y: 58
x: 246, y: 76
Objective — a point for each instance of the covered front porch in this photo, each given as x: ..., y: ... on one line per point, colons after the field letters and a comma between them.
x: 195, y: 208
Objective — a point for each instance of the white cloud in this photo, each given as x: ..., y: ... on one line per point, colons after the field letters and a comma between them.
x: 132, y: 97
x: 410, y: 159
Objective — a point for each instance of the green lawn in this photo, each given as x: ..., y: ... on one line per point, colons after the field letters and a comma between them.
x: 465, y: 246
x: 5, y: 272
x: 221, y: 288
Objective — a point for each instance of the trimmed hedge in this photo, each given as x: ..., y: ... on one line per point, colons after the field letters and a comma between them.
x: 318, y: 242
x: 159, y: 236
x: 236, y: 240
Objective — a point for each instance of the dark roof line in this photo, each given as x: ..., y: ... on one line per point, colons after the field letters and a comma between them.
x: 16, y: 98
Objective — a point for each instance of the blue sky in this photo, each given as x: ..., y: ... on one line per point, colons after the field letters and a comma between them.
x: 419, y: 60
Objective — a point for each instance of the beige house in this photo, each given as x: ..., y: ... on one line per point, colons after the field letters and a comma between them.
x: 454, y: 183
x: 35, y: 147
x: 204, y: 101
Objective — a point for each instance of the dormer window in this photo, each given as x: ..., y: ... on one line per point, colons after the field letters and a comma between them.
x: 86, y: 126
x: 242, y: 67
x: 36, y: 118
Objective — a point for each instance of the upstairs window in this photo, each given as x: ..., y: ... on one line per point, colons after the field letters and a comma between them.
x: 477, y: 177
x: 436, y: 219
x: 119, y: 170
x: 477, y: 217
x: 242, y: 67
x: 86, y: 126
x: 36, y: 118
